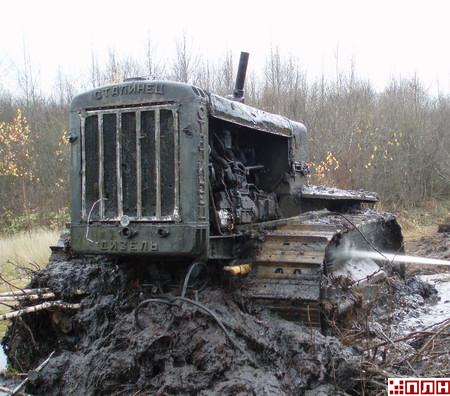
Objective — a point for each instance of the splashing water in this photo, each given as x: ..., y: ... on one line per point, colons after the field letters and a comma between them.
x: 393, y: 258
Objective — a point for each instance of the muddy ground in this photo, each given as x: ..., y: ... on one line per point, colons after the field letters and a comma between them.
x: 436, y: 245
x: 101, y: 350
x: 181, y: 350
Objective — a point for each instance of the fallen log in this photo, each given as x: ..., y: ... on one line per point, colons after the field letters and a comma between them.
x: 39, y: 307
x: 21, y: 297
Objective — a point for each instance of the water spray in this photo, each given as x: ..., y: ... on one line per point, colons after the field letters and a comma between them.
x: 391, y: 257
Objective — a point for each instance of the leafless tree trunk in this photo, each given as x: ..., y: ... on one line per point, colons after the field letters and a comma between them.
x: 185, y: 62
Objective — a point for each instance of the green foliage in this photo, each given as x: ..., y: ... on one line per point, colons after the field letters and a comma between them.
x: 13, y: 224
x: 53, y: 220
x: 57, y: 220
x: 15, y: 147
x: 34, y: 164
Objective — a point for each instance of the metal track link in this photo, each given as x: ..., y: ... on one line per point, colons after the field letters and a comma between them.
x: 288, y: 270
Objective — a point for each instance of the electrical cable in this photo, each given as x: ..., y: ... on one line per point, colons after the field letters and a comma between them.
x: 188, y: 276
x: 89, y: 219
x: 370, y: 245
x: 364, y: 237
x: 171, y: 301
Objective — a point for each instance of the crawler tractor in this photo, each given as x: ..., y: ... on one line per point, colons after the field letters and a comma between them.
x: 170, y: 174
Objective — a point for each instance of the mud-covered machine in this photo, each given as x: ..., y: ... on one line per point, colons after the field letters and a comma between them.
x: 170, y: 174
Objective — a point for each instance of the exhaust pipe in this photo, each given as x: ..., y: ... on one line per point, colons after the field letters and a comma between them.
x: 238, y: 92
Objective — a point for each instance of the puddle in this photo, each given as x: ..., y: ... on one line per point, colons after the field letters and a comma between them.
x: 3, y: 363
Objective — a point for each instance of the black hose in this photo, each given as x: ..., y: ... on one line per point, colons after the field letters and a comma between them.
x: 188, y: 276
x: 171, y: 302
x: 214, y: 209
x: 163, y: 300
x: 215, y: 317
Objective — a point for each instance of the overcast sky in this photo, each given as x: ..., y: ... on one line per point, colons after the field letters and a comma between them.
x: 386, y: 38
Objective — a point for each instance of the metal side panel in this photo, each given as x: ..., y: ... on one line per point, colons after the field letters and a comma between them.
x: 239, y: 113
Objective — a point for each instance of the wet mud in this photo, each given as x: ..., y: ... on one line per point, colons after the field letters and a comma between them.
x: 100, y: 350
x: 105, y: 348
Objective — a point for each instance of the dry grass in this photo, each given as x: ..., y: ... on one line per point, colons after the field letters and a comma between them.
x: 27, y: 249
x: 19, y: 255
x: 412, y: 231
x: 424, y: 220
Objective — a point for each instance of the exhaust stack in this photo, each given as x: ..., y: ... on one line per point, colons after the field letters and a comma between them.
x: 238, y: 92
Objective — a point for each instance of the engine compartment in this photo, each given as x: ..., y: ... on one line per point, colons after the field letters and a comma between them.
x: 245, y: 169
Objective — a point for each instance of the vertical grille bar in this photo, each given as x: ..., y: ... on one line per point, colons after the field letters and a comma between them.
x: 83, y: 169
x: 167, y: 162
x: 110, y: 165
x: 101, y: 182
x: 128, y: 163
x: 176, y: 162
x: 148, y: 172
x: 158, y: 162
x: 138, y: 165
x: 118, y: 165
x: 91, y: 151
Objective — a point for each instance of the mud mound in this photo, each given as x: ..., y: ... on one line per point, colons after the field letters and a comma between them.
x: 179, y: 349
x: 397, y: 298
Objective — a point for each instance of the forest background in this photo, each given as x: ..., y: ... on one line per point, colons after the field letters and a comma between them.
x: 395, y: 141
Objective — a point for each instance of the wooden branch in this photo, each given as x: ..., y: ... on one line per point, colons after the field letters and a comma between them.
x: 10, y: 391
x: 441, y: 174
x: 424, y: 347
x: 374, y: 369
x: 3, y: 279
x: 22, y: 292
x: 39, y: 307
x: 21, y: 297
x: 398, y: 350
x: 17, y: 389
x: 405, y: 338
x: 426, y: 331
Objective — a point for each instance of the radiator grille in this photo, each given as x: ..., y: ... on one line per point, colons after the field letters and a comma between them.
x: 130, y: 164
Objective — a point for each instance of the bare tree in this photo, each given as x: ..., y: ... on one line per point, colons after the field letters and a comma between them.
x: 64, y: 88
x: 185, y: 62
x: 94, y: 72
x: 225, y: 76
x: 154, y: 67
x: 26, y: 78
